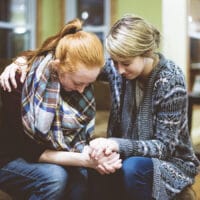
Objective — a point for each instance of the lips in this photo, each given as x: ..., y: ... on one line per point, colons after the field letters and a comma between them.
x: 127, y: 75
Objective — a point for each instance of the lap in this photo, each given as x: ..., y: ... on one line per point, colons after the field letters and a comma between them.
x: 114, y: 186
x: 34, y: 171
x: 20, y: 176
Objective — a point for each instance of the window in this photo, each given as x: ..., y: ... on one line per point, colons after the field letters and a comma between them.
x: 94, y: 13
x: 17, y: 27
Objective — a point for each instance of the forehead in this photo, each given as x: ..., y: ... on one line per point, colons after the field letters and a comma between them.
x: 127, y: 60
x: 85, y: 75
x: 123, y: 59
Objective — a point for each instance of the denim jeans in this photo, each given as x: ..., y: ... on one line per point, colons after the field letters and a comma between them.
x: 132, y: 182
x: 43, y: 181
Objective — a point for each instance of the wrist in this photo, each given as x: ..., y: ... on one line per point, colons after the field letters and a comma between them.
x: 85, y: 160
x: 115, y: 145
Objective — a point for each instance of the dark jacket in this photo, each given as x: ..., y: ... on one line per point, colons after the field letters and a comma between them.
x: 14, y: 143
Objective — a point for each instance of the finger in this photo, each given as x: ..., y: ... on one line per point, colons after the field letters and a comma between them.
x: 93, y: 154
x: 111, y: 168
x: 4, y: 79
x: 12, y: 77
x: 7, y: 85
x: 112, y: 159
x: 110, y: 162
x: 23, y: 75
x: 103, y: 169
x: 108, y: 151
x: 1, y: 82
x: 117, y: 164
x: 104, y: 158
x: 5, y: 82
x: 101, y: 172
x: 99, y: 153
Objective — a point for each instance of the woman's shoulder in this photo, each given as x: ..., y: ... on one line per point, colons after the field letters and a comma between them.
x: 169, y: 67
x: 169, y: 71
x: 169, y: 80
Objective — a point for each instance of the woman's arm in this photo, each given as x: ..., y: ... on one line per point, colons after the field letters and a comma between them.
x: 169, y: 123
x: 104, y: 165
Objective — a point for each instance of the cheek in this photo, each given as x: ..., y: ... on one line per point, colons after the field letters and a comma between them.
x: 66, y: 84
x: 137, y: 68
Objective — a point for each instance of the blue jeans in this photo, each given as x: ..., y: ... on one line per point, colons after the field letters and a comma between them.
x: 42, y: 181
x: 132, y: 182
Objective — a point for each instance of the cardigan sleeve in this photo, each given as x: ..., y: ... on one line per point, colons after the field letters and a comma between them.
x: 170, y: 136
x: 107, y: 71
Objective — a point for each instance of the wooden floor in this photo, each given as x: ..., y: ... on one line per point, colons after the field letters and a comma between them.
x: 196, y: 187
x: 196, y: 141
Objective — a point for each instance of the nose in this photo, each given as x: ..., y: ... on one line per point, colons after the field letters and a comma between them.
x: 80, y: 89
x: 120, y: 69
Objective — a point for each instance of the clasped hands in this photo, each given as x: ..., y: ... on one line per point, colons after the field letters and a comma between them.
x: 103, y: 155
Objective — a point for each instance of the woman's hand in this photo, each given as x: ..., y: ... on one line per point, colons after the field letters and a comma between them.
x: 105, y: 164
x: 7, y: 78
x: 109, y: 164
x: 101, y: 146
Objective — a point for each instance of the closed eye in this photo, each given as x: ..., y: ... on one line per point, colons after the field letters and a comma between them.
x: 125, y: 64
x: 78, y: 84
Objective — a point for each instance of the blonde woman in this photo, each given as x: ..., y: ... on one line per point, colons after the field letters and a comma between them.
x: 49, y: 120
x: 148, y: 124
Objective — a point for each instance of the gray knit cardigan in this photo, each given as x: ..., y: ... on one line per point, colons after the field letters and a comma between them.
x: 158, y: 128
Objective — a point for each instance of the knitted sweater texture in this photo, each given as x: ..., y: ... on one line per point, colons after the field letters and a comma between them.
x: 158, y: 128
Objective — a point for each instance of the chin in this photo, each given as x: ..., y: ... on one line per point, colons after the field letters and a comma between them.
x: 129, y: 77
x: 67, y: 89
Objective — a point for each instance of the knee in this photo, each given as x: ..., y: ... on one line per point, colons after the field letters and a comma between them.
x: 137, y: 178
x: 131, y: 166
x: 55, y: 178
x: 137, y: 168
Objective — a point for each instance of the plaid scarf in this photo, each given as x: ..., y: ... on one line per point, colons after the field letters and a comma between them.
x: 59, y: 120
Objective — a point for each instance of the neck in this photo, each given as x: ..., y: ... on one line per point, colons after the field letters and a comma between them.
x: 150, y: 63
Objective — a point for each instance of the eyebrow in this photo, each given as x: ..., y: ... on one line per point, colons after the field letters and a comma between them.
x: 122, y: 61
x: 125, y: 60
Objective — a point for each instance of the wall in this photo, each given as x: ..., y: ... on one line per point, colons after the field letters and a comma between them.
x: 151, y: 10
x: 50, y: 18
x: 170, y: 17
x: 175, y: 33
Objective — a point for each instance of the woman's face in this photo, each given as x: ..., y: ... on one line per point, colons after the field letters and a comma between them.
x: 133, y: 67
x: 80, y: 79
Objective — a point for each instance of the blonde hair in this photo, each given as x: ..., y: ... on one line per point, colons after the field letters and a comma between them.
x: 71, y: 45
x: 132, y: 36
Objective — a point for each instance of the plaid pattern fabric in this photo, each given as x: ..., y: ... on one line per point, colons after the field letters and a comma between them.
x: 60, y: 120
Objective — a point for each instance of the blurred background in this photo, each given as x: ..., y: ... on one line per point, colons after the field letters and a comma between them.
x: 24, y: 24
